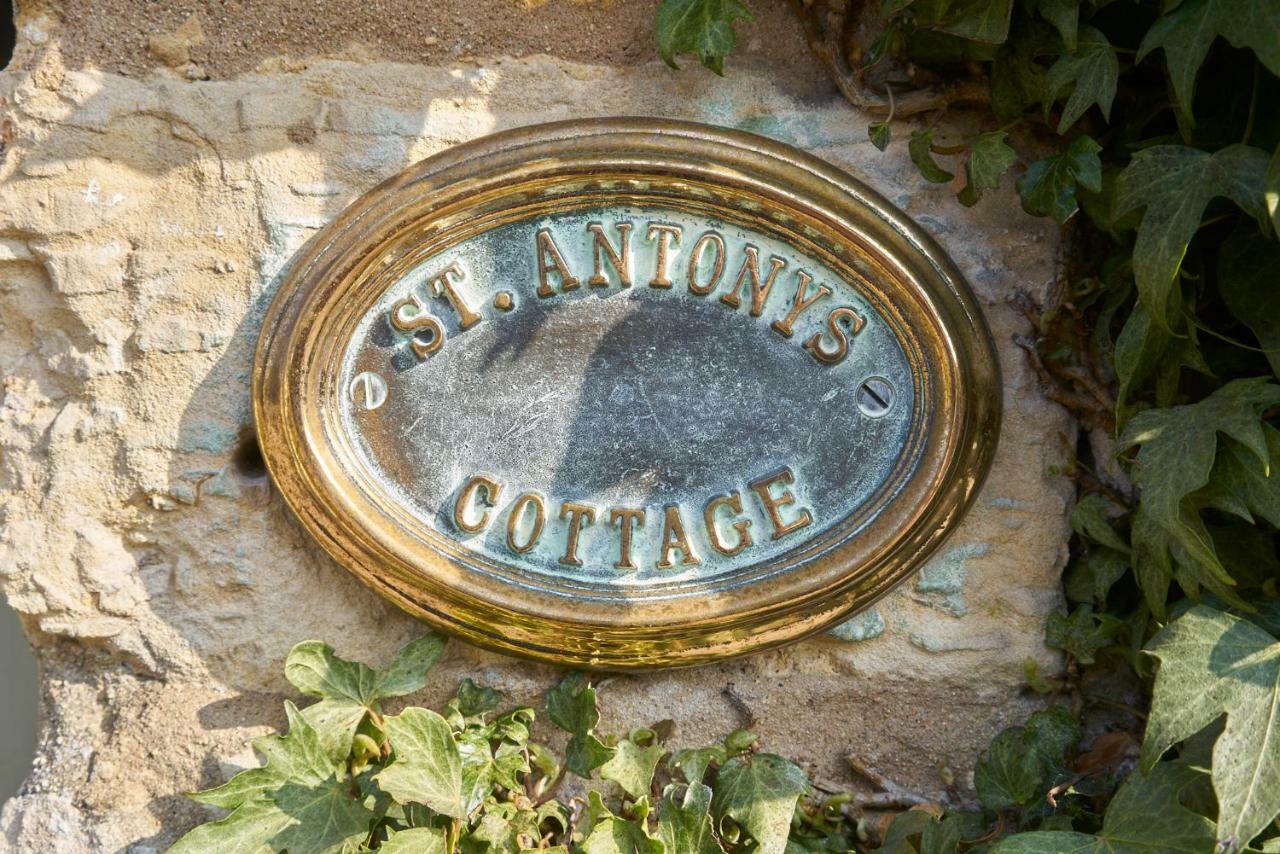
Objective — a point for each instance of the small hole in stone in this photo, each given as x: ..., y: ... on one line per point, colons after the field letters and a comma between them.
x: 246, y: 459
x: 8, y: 33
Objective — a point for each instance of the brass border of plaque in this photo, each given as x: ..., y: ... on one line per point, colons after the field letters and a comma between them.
x: 747, y: 179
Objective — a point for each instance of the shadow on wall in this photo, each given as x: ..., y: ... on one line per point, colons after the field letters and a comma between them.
x: 18, y: 703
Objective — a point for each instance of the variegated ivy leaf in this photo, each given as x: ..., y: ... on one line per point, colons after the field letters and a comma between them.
x: 760, y: 793
x: 701, y: 27
x: 634, y: 761
x: 427, y: 767
x: 1214, y: 663
x: 298, y: 801
x: 350, y: 690
x: 684, y: 824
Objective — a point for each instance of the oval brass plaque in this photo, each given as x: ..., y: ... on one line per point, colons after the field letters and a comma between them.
x: 626, y: 393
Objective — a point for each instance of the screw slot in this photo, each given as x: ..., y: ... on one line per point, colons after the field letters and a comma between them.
x: 368, y: 390
x: 875, y: 397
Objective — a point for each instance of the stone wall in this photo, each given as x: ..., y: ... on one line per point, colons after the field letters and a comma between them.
x: 145, y: 215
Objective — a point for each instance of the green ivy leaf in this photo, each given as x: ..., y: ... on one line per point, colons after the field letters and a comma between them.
x: 571, y: 705
x: 1212, y: 663
x: 1093, y: 574
x: 694, y: 761
x: 1146, y: 815
x: 1187, y: 32
x: 1177, y: 449
x: 610, y: 834
x: 1063, y: 14
x: 922, y: 157
x: 1048, y: 188
x: 1017, y: 78
x: 634, y: 760
x: 427, y: 768
x: 1247, y: 266
x: 1083, y: 633
x: 350, y: 690
x: 976, y: 20
x: 297, y: 801
x: 1175, y: 183
x: 473, y: 702
x: 1089, y: 519
x: 760, y: 793
x: 905, y: 826
x: 989, y: 158
x: 1024, y: 761
x: 416, y: 840
x: 702, y: 27
x: 1240, y: 485
x: 296, y: 756
x: 407, y: 671
x: 685, y: 826
x: 1093, y: 71
x: 1139, y: 350
x: 878, y: 133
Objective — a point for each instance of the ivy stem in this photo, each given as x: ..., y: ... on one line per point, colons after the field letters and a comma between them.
x: 1253, y: 106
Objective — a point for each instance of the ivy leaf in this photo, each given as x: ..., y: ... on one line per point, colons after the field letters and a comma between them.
x: 1017, y: 78
x: 694, y: 761
x: 878, y: 133
x: 1064, y: 15
x: 347, y: 690
x: 685, y: 826
x: 1089, y: 519
x: 989, y: 158
x: 610, y: 834
x: 1212, y: 663
x: 1147, y: 814
x: 633, y: 762
x: 297, y: 801
x: 1178, y: 446
x: 1175, y: 183
x: 427, y: 768
x: 1024, y: 761
x: 905, y: 825
x: 922, y: 157
x: 1093, y: 69
x: 472, y: 703
x: 296, y: 756
x: 760, y: 793
x: 572, y: 707
x: 350, y: 690
x: 975, y: 20
x: 1093, y: 574
x: 1247, y: 266
x: 1240, y: 485
x: 1082, y: 634
x: 416, y: 840
x: 1187, y: 32
x: 408, y: 669
x: 702, y: 27
x: 1048, y: 188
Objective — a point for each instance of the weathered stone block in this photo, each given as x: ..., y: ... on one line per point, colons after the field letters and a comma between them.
x: 147, y: 221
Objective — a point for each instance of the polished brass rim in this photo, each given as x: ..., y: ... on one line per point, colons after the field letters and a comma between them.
x: 742, y: 177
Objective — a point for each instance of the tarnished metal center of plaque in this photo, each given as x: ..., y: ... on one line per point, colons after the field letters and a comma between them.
x: 626, y: 393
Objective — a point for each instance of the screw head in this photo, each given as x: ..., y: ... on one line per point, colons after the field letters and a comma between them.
x: 368, y: 390
x: 875, y: 397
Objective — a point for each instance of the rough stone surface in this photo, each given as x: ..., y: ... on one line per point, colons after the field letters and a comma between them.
x: 144, y: 222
